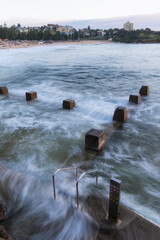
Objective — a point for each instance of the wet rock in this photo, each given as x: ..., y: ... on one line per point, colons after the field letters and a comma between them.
x: 2, y: 212
x: 4, y: 235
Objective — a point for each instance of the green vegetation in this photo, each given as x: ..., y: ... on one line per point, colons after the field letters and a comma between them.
x: 136, y: 36
x: 45, y: 33
x: 42, y: 33
x: 121, y: 35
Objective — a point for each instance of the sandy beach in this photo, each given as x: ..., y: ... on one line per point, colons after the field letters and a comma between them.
x: 26, y: 44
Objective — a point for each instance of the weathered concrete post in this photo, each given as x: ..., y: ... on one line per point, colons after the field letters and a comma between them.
x: 31, y: 95
x: 95, y: 140
x: 134, y: 99
x: 144, y: 90
x: 3, y: 90
x: 68, y: 104
x: 114, y: 199
x: 120, y: 114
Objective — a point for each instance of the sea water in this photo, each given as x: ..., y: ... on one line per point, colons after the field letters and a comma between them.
x: 38, y: 137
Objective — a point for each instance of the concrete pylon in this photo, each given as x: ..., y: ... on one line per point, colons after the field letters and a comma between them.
x: 3, y: 90
x: 31, y: 95
x: 68, y: 104
x: 144, y: 90
x: 134, y: 99
x: 120, y: 114
x: 95, y: 140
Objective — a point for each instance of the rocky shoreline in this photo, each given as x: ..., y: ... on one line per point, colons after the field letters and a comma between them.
x: 3, y: 215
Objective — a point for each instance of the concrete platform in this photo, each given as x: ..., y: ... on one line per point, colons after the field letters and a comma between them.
x: 130, y: 226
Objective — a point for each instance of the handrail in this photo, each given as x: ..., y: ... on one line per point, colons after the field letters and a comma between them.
x: 83, y: 174
x: 59, y: 170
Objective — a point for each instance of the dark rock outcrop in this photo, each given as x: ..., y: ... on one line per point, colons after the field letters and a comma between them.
x: 4, y: 235
x: 2, y: 212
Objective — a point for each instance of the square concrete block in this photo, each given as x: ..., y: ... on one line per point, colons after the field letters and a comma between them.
x: 134, y: 99
x: 120, y: 114
x: 95, y: 140
x: 144, y: 91
x: 3, y: 90
x: 31, y: 95
x: 68, y: 104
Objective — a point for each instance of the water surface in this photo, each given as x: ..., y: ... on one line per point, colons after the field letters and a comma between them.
x: 37, y: 138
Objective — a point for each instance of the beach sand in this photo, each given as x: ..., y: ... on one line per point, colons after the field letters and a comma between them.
x: 27, y: 44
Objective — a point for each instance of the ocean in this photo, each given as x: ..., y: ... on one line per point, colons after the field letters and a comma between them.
x: 39, y: 137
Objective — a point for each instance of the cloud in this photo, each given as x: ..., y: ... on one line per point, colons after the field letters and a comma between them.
x: 140, y: 21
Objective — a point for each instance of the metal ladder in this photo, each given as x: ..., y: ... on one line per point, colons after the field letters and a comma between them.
x: 77, y: 181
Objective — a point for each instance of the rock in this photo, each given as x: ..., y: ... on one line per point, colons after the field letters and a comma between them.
x: 2, y: 212
x: 4, y: 235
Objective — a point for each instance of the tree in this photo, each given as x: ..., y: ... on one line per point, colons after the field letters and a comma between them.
x: 18, y: 25
x: 47, y: 35
x: 57, y: 36
x: 75, y: 35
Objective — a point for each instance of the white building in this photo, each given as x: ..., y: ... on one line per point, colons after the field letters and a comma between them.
x: 23, y: 29
x: 101, y: 33
x: 128, y: 26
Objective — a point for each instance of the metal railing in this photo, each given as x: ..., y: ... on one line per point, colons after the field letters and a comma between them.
x: 83, y: 174
x: 59, y: 170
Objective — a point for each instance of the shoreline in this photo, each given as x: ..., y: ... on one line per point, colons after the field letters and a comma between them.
x: 27, y: 44
x: 5, y: 44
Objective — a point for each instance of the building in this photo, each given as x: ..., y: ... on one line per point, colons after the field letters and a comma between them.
x: 22, y: 29
x: 128, y: 26
x: 52, y: 27
x: 65, y: 29
x: 100, y: 33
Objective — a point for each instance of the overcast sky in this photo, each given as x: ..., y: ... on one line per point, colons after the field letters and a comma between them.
x: 45, y: 11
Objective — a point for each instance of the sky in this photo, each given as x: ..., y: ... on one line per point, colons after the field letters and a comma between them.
x: 45, y: 11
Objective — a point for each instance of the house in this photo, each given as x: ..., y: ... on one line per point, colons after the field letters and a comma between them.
x: 52, y: 27
x: 22, y: 29
x: 100, y: 33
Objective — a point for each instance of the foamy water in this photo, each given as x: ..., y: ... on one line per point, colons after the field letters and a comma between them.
x: 37, y: 137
